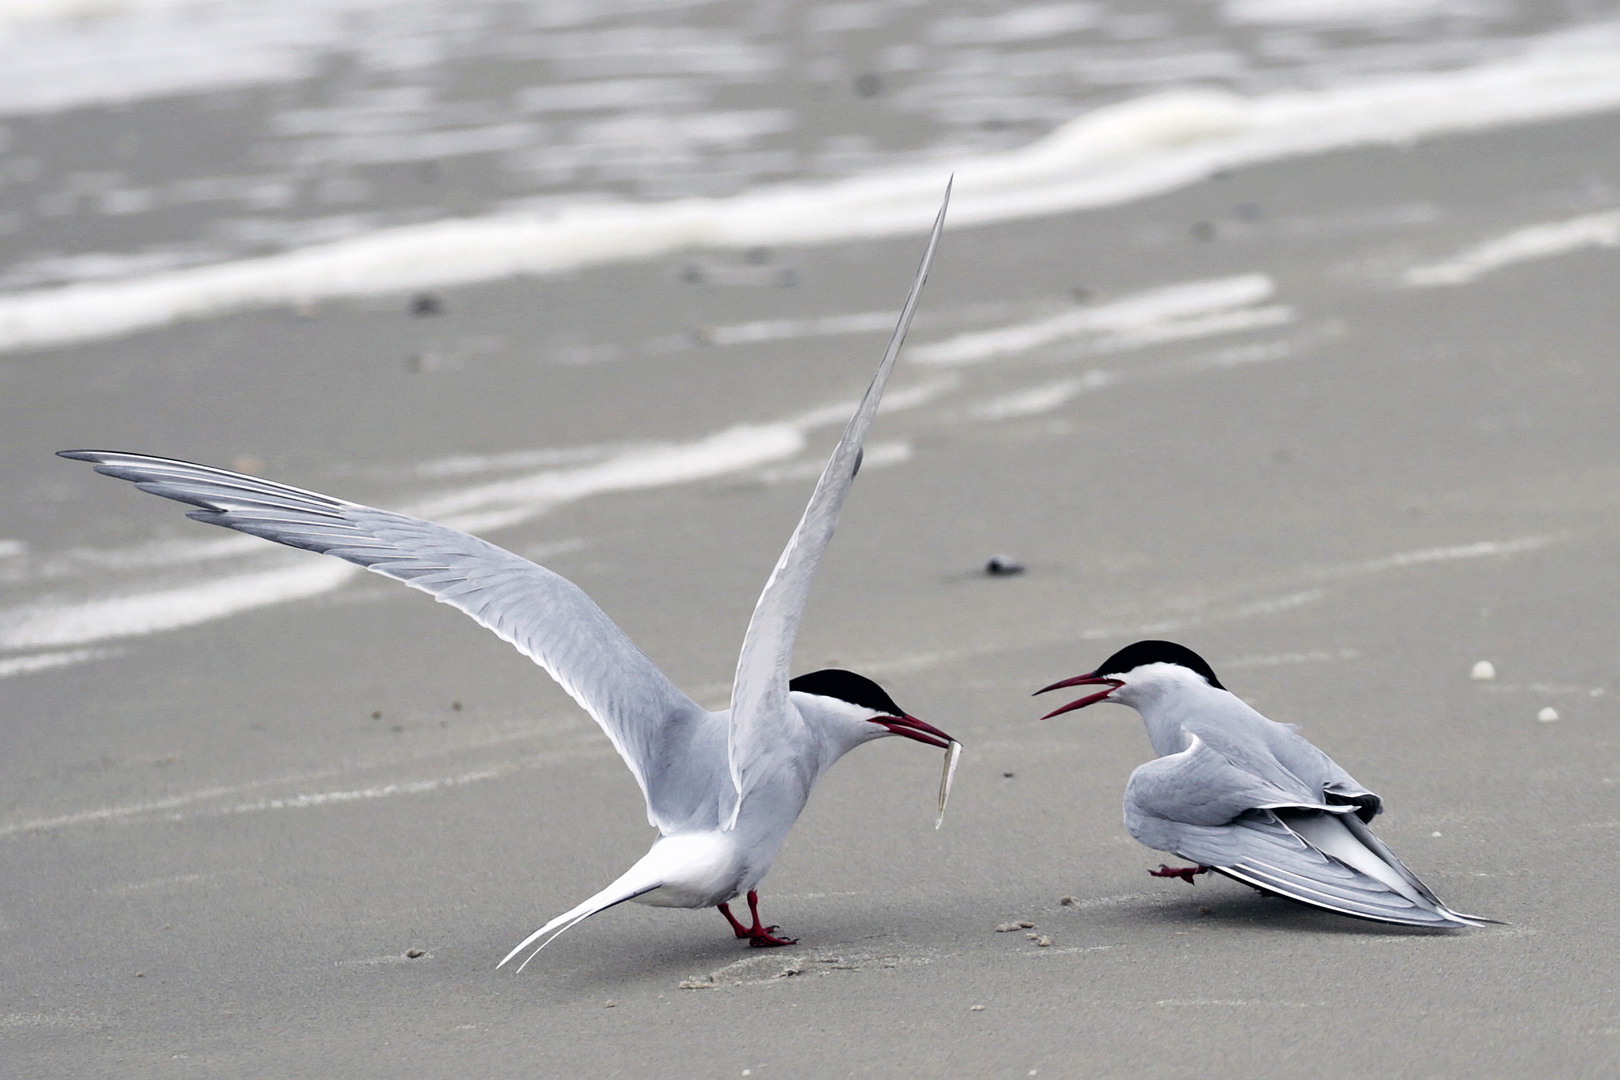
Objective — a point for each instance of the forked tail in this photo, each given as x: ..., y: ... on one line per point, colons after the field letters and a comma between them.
x: 634, y: 882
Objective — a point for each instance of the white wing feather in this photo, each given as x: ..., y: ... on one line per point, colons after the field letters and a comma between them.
x: 547, y: 617
x: 761, y: 716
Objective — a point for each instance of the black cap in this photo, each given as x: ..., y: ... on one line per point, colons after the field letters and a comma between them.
x: 847, y: 686
x: 1158, y: 652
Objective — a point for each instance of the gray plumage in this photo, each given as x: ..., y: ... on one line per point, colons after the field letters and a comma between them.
x: 1252, y: 798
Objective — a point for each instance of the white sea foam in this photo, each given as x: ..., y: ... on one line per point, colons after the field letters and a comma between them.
x: 878, y: 455
x: 1031, y: 402
x: 22, y: 12
x: 1351, y: 12
x: 1484, y: 549
x: 860, y: 322
x: 1545, y: 240
x: 25, y: 665
x: 1145, y: 317
x: 1217, y: 322
x: 1114, y: 154
x: 52, y: 624
x: 62, y: 54
x: 505, y: 503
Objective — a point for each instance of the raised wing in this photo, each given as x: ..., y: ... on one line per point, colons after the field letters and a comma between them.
x: 547, y: 617
x: 761, y: 717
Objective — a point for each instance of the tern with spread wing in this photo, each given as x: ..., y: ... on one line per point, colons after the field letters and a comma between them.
x: 1251, y: 798
x: 722, y: 788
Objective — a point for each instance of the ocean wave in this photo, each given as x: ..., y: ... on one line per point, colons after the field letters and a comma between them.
x: 1111, y: 155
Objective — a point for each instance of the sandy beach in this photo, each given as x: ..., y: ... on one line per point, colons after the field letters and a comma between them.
x: 1342, y: 421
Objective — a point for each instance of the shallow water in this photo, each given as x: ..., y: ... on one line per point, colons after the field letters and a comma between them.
x: 147, y: 136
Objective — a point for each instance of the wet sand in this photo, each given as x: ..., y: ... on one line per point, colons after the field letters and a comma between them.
x: 215, y: 859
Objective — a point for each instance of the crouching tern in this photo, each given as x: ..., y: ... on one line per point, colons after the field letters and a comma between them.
x: 722, y: 788
x: 1251, y: 798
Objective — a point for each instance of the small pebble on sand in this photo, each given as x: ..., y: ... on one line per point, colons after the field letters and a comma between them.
x: 1003, y: 566
x: 1068, y: 901
x: 1547, y: 715
x: 1040, y: 939
x: 1009, y: 927
x: 413, y: 954
x: 1484, y: 671
x: 975, y: 1008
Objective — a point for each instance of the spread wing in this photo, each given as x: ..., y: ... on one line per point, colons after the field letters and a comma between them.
x: 1202, y: 806
x: 761, y: 716
x: 547, y: 617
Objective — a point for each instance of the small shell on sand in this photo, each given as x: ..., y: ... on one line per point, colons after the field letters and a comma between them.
x: 1547, y: 715
x: 1484, y: 671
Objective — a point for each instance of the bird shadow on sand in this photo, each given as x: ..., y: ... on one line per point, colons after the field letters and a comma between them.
x: 659, y: 961
x: 1252, y: 911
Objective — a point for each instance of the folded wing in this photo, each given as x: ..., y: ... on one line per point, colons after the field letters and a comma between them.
x: 1202, y: 806
x: 761, y: 717
x: 547, y: 617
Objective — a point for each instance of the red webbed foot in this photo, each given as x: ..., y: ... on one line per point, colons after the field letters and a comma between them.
x: 759, y: 936
x: 1185, y: 873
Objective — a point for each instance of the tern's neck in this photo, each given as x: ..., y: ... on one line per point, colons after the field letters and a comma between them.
x: 1168, y: 710
x: 833, y: 728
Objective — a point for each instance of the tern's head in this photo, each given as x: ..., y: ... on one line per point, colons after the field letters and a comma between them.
x: 857, y: 709
x: 1140, y: 672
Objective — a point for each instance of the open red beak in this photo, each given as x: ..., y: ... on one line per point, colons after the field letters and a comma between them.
x: 1088, y: 679
x: 913, y: 728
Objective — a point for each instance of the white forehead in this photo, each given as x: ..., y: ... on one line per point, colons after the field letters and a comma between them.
x: 1161, y: 673
x: 832, y: 706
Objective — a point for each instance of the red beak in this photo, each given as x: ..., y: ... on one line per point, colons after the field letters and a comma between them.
x: 1091, y: 678
x: 913, y: 728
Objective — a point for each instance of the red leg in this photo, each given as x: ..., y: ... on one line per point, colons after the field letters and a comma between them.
x: 737, y: 928
x: 1185, y: 873
x: 758, y: 935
